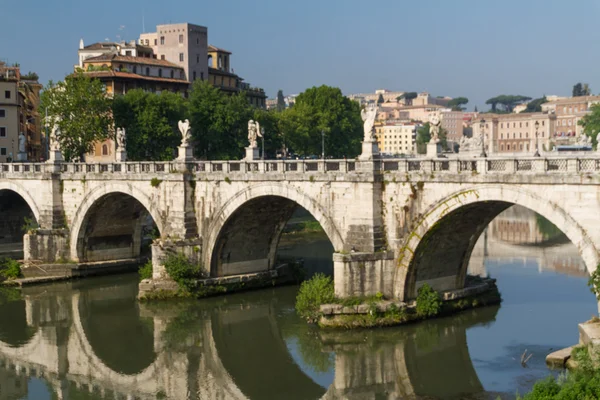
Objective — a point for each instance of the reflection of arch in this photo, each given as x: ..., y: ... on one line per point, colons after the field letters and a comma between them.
x: 18, y: 189
x: 455, y: 223
x: 266, y: 192
x: 96, y: 194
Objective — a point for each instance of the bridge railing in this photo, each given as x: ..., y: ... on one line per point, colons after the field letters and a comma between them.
x: 405, y: 165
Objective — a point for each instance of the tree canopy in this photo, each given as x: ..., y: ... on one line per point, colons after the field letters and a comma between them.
x: 323, y: 109
x: 535, y: 105
x: 408, y: 97
x: 150, y: 121
x: 280, y: 101
x: 581, y: 89
x: 457, y: 103
x: 508, y: 102
x: 82, y: 111
x: 591, y: 123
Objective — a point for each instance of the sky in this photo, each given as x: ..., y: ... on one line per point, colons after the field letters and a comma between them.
x: 472, y: 48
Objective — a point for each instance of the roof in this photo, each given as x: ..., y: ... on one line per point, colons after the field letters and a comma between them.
x: 578, y: 99
x: 100, y: 46
x: 215, y: 48
x: 113, y: 57
x: 130, y: 75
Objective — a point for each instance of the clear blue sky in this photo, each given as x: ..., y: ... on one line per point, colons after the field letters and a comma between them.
x: 472, y: 48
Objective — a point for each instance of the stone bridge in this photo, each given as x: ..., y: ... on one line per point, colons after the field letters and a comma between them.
x: 94, y: 337
x: 394, y: 223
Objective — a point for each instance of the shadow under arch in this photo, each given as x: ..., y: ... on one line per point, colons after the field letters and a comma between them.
x: 18, y: 213
x: 245, y: 232
x: 449, y: 231
x: 110, y: 320
x: 251, y: 349
x: 112, y: 226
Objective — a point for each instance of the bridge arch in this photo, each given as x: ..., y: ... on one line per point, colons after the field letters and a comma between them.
x: 21, y: 191
x: 94, y: 197
x: 438, y: 250
x: 280, y: 201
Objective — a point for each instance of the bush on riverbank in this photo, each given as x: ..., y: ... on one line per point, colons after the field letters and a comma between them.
x: 183, y: 272
x: 9, y: 268
x: 145, y: 270
x: 314, y: 292
x: 580, y: 384
x: 429, y: 302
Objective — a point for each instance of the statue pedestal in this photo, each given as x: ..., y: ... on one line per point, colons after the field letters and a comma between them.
x: 185, y: 154
x: 252, y: 154
x: 370, y: 150
x: 433, y: 150
x: 55, y: 156
x: 121, y: 156
x: 22, y: 156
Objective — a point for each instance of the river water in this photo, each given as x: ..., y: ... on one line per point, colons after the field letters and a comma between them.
x: 90, y: 339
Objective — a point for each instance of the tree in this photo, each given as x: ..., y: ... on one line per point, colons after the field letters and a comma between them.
x: 323, y: 109
x: 280, y: 101
x: 380, y: 99
x: 219, y: 122
x: 150, y: 121
x: 408, y: 97
x: 581, y: 89
x: 535, y: 105
x: 457, y: 103
x: 475, y: 109
x: 591, y: 123
x: 508, y: 102
x: 83, y: 112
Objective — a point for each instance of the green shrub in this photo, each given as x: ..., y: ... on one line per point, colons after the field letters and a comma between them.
x: 182, y: 271
x: 429, y: 302
x: 145, y: 270
x: 29, y: 224
x: 314, y: 292
x: 10, y: 269
x: 594, y: 282
x: 155, y: 182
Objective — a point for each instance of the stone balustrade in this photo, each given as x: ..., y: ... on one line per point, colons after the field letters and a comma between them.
x: 538, y: 165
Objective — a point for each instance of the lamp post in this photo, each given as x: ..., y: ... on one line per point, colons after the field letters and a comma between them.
x: 323, y: 145
x: 482, y: 129
x: 537, y: 150
x: 262, y: 131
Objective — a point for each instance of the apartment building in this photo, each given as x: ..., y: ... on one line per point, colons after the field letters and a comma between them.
x: 396, y: 138
x: 569, y: 111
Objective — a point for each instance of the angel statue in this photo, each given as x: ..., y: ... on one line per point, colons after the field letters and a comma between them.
x: 53, y: 140
x: 434, y: 128
x: 121, y: 140
x: 253, y: 133
x: 186, y: 132
x: 368, y: 116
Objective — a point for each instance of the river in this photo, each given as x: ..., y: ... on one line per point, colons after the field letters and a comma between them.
x: 91, y: 339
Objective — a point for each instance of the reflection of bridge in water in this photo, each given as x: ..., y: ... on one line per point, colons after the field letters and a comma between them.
x: 515, y: 236
x: 96, y: 338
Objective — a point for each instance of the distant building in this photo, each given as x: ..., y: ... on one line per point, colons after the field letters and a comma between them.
x: 569, y: 111
x: 399, y: 138
x: 452, y: 124
x: 19, y: 102
x: 425, y: 99
x: 364, y: 98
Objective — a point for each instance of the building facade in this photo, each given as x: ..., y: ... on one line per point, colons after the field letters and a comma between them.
x: 396, y: 139
x: 569, y: 111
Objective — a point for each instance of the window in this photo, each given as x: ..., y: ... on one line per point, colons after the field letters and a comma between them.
x: 527, y: 124
x: 521, y: 147
x: 160, y: 72
x: 501, y: 125
x: 502, y: 147
x: 202, y: 75
x: 180, y: 38
x: 128, y: 52
x: 155, y: 42
x: 162, y: 40
x: 135, y: 69
x: 172, y: 74
x: 7, y: 94
x: 197, y: 58
x: 162, y: 57
x: 104, y: 150
x: 2, y: 113
x: 2, y: 131
x: 508, y: 147
x: 180, y: 56
x: 527, y: 147
x: 520, y: 124
x: 2, y: 151
x: 543, y: 122
x: 147, y: 71
x: 194, y: 73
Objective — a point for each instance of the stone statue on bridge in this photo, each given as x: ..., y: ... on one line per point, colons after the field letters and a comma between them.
x: 121, y: 138
x: 186, y: 132
x: 253, y: 133
x: 22, y: 155
x: 54, y: 142
x: 434, y: 128
x: 368, y: 115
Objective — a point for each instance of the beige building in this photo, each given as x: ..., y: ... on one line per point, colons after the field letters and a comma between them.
x: 516, y: 133
x: 364, y: 98
x: 183, y: 44
x: 396, y: 138
x: 452, y: 123
x: 569, y: 111
x: 425, y: 99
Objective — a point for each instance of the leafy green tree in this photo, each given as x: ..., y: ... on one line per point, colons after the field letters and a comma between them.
x: 150, y: 121
x: 280, y: 101
x: 408, y: 97
x: 458, y: 103
x: 508, y: 102
x: 591, y: 123
x: 380, y: 99
x: 219, y: 122
x: 323, y: 109
x: 83, y: 112
x: 475, y: 109
x: 535, y: 105
x: 581, y: 89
